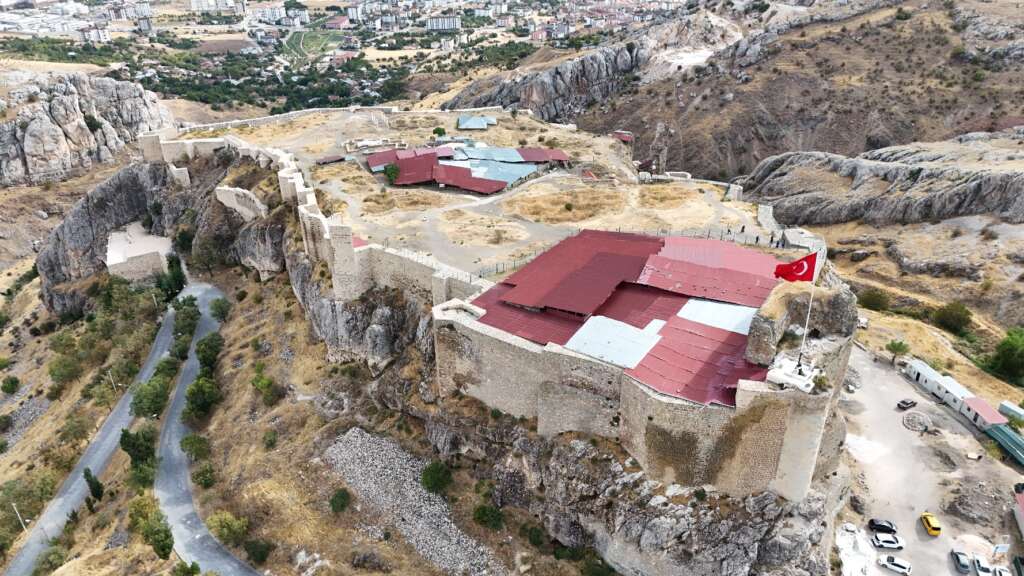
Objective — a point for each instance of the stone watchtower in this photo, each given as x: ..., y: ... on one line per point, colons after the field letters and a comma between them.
x: 347, y: 277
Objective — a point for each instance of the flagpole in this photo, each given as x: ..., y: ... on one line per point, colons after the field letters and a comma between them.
x: 807, y: 324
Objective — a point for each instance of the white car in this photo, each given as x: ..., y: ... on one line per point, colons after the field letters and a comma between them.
x: 881, y: 540
x: 897, y: 565
x: 982, y: 567
x: 1000, y: 571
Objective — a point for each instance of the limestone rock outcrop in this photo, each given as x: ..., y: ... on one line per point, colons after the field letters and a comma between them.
x: 67, y: 123
x: 560, y: 92
x: 918, y: 182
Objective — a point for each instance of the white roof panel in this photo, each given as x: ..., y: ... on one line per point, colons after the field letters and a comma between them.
x: 615, y: 342
x: 731, y: 317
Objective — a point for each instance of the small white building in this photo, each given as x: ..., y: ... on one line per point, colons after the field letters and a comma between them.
x: 941, y: 386
x: 136, y: 255
x: 1011, y: 410
x: 94, y: 35
x: 982, y: 414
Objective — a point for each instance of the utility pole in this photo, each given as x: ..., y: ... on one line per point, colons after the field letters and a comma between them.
x: 20, y: 520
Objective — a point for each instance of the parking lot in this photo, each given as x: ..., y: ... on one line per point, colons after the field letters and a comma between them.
x: 900, y: 473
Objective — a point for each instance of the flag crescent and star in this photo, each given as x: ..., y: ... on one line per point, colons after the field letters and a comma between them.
x: 801, y: 270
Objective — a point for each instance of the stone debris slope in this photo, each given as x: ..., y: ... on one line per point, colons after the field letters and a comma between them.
x: 387, y: 479
x: 65, y: 124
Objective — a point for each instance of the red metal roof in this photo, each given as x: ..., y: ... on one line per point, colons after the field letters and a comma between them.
x: 718, y: 254
x: 637, y: 305
x: 463, y: 178
x: 382, y: 158
x: 357, y: 241
x: 697, y: 362
x: 623, y: 136
x: 985, y: 410
x: 720, y: 284
x: 538, y: 327
x: 542, y: 155
x: 548, y: 271
x: 415, y: 170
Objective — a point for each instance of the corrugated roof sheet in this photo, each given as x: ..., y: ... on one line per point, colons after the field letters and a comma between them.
x: 415, y: 170
x: 538, y: 327
x: 463, y: 178
x: 378, y: 160
x: 731, y: 317
x: 1009, y: 440
x: 542, y: 155
x: 494, y: 170
x: 637, y: 305
x: 488, y: 153
x: 985, y: 410
x: 697, y: 362
x: 721, y: 284
x: 615, y: 342
x: 466, y: 122
x: 718, y: 254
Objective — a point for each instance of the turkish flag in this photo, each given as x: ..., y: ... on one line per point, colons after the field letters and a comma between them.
x: 801, y: 270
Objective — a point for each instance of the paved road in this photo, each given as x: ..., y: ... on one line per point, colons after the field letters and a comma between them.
x: 192, y: 541
x: 903, y: 476
x: 72, y: 493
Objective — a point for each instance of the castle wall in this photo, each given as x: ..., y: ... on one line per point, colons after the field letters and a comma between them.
x: 241, y: 201
x: 139, y: 268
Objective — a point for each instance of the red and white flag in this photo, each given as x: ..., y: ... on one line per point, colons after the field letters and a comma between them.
x: 801, y: 270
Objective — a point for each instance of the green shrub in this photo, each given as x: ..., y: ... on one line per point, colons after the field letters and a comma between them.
x: 204, y: 475
x: 94, y: 484
x: 874, y: 299
x: 6, y: 421
x: 1008, y: 359
x: 151, y: 396
x: 489, y: 516
x: 269, y: 391
x: 953, y: 317
x: 146, y: 519
x: 208, y: 349
x: 180, y: 347
x: 595, y: 567
x: 4, y: 362
x: 436, y: 477
x: 182, y: 569
x: 197, y: 447
x: 10, y: 385
x: 186, y: 316
x: 92, y: 123
x: 228, y: 528
x: 258, y: 550
x: 269, y: 439
x: 340, y: 500
x: 64, y: 369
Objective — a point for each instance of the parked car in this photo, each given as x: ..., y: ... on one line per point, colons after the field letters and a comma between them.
x: 883, y: 526
x: 982, y: 567
x: 1018, y: 565
x: 897, y: 565
x: 883, y: 540
x: 961, y: 561
x: 1001, y: 571
x: 906, y: 404
x: 931, y: 524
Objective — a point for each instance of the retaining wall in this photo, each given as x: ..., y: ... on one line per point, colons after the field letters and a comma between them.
x: 241, y: 201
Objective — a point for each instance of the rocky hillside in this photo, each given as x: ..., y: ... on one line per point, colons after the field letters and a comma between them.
x: 918, y: 71
x: 58, y: 126
x: 979, y: 173
x: 562, y: 89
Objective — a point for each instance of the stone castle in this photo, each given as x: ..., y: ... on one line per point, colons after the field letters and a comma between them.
x: 776, y: 437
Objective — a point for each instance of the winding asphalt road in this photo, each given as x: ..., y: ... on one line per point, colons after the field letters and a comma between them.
x: 192, y: 541
x: 97, y: 456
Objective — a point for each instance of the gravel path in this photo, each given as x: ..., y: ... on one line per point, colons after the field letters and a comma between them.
x: 387, y: 479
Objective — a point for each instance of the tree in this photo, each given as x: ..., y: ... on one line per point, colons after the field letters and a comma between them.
x: 874, y: 299
x: 186, y: 316
x: 206, y: 254
x: 258, y: 550
x: 220, y: 308
x: 197, y: 447
x: 10, y: 385
x: 391, y: 172
x: 76, y: 428
x: 954, y: 317
x: 1008, y: 359
x: 897, y: 348
x: 183, y: 569
x: 95, y: 486
x: 64, y: 369
x: 439, y: 132
x: 140, y: 446
x: 228, y: 528
x: 208, y: 349
x: 340, y: 500
x: 157, y: 534
x: 204, y: 476
x: 488, y: 516
x: 436, y: 477
x: 200, y: 398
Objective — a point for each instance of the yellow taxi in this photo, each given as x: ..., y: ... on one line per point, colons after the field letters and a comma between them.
x: 931, y: 524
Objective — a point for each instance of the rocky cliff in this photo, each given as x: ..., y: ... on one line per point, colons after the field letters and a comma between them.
x: 972, y: 174
x: 76, y: 249
x: 64, y: 124
x: 560, y: 92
